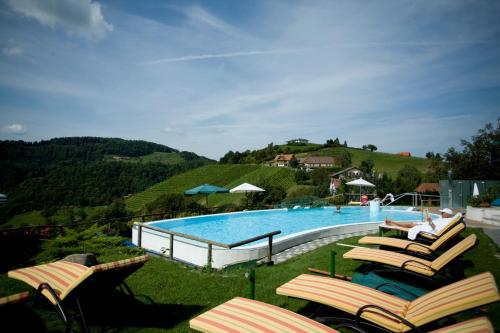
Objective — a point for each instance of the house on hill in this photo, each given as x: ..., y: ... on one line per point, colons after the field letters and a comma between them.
x: 314, y: 162
x: 348, y: 173
x: 405, y: 153
x: 282, y: 160
x: 428, y: 188
x: 293, y: 141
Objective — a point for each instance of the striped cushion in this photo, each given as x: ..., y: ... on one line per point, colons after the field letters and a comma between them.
x: 466, y: 294
x: 121, y: 263
x: 391, y: 258
x: 245, y: 315
x: 447, y: 236
x: 15, y: 298
x: 420, y: 248
x: 346, y: 296
x: 397, y: 243
x: 477, y: 325
x: 62, y: 276
x: 455, y: 251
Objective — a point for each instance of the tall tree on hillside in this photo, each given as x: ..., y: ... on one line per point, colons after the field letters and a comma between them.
x: 408, y: 179
x: 480, y: 158
x: 367, y: 166
x: 345, y: 159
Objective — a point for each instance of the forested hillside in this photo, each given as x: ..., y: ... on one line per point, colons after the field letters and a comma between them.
x: 83, y: 171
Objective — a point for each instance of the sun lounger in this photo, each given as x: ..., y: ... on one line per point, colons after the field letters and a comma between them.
x: 413, y: 264
x: 409, y: 246
x: 63, y: 281
x: 427, y: 235
x: 244, y: 315
x: 371, y: 307
x: 15, y: 298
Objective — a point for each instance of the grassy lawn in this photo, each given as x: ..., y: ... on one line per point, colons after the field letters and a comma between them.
x: 180, y: 292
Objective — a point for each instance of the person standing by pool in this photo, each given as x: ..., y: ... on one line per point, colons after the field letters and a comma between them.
x: 432, y: 226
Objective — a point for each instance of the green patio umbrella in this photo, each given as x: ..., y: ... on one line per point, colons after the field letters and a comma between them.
x: 206, y: 189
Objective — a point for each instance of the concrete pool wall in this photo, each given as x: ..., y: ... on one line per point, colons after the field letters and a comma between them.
x: 196, y: 253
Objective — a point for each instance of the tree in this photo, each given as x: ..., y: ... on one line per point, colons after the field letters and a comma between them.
x: 367, y: 166
x: 371, y: 147
x: 408, y: 179
x: 480, y: 158
x: 294, y: 163
x: 345, y: 159
x: 345, y: 143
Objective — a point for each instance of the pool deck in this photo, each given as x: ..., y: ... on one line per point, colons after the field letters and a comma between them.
x: 288, y: 254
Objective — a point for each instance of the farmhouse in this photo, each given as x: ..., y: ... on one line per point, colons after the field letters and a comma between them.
x: 314, y: 162
x: 282, y: 160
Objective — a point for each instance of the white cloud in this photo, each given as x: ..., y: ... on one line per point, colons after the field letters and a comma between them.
x: 80, y: 17
x: 175, y: 131
x: 12, y: 51
x: 18, y: 129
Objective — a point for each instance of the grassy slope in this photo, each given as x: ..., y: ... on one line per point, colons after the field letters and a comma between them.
x: 227, y: 175
x: 384, y: 162
x: 35, y: 218
x: 180, y: 292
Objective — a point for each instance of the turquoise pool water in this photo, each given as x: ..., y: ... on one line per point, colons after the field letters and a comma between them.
x: 234, y: 227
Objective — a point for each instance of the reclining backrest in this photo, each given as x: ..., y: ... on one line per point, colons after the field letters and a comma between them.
x: 62, y: 276
x: 456, y: 297
x: 456, y: 219
x: 453, y: 252
x: 447, y: 236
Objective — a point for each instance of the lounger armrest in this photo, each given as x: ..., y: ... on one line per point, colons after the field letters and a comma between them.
x: 406, y: 249
x: 372, y: 306
x: 430, y: 235
x: 418, y: 263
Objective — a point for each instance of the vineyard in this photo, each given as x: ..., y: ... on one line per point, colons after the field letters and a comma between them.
x: 226, y: 175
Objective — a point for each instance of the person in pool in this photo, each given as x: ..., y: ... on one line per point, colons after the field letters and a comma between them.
x: 432, y: 226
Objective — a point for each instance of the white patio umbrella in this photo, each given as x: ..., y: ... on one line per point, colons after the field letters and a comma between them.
x: 360, y: 182
x: 246, y: 188
x: 475, y: 191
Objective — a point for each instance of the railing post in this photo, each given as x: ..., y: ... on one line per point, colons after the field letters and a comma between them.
x: 139, y: 235
x: 209, y: 257
x: 250, y: 275
x: 332, y: 263
x: 270, y: 251
x: 171, y: 249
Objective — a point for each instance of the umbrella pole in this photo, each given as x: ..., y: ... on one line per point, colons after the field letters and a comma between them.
x: 206, y: 199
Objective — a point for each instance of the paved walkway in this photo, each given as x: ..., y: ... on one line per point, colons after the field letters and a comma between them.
x: 288, y: 254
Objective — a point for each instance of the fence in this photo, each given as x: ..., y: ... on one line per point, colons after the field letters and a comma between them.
x: 456, y: 193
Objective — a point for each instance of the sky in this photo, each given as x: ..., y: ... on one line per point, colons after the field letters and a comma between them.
x: 214, y: 76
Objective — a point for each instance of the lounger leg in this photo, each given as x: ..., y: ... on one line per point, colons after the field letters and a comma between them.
x: 82, y: 319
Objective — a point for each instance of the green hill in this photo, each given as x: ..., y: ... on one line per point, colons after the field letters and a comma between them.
x: 227, y: 175
x: 384, y: 162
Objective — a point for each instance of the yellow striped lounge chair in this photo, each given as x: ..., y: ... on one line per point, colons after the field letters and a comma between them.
x: 415, y: 265
x: 458, y: 218
x: 373, y: 308
x: 409, y: 246
x: 63, y: 282
x: 242, y: 315
x: 15, y: 298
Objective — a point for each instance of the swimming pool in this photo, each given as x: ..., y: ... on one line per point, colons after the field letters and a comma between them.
x: 234, y: 227
x: 296, y: 225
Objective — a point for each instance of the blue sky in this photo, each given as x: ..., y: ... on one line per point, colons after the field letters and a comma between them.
x: 214, y: 76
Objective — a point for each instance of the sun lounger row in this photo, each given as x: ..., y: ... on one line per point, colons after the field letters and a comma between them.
x: 369, y: 307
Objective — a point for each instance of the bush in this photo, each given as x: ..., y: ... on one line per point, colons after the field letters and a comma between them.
x: 338, y: 200
x: 91, y: 240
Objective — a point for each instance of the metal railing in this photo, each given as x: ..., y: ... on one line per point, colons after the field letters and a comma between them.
x: 210, y: 243
x: 416, y: 198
